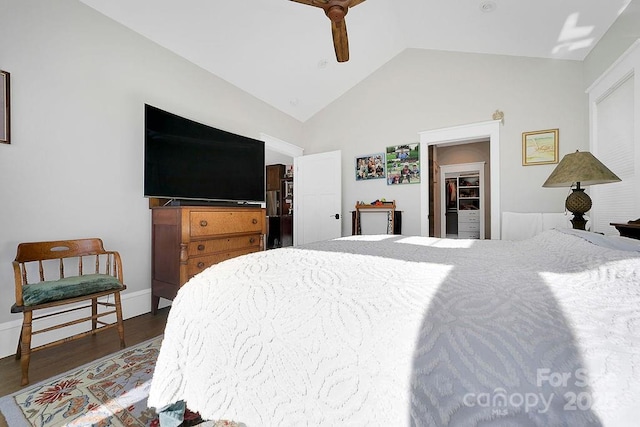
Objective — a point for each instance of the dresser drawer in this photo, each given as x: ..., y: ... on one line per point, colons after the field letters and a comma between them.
x: 197, y: 264
x: 469, y: 215
x: 468, y: 234
x: 202, y: 223
x: 468, y: 226
x: 224, y: 244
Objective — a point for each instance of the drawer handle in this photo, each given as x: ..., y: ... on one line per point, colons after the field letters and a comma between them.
x: 203, y: 223
x: 254, y: 221
x: 201, y: 264
x: 252, y: 240
x: 201, y: 247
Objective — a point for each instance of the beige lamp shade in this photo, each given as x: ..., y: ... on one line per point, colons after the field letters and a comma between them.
x: 580, y: 168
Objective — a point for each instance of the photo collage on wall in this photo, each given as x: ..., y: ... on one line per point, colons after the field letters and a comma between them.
x: 403, y: 164
x: 370, y: 167
x: 399, y: 164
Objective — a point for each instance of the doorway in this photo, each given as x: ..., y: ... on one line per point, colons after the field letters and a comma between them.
x: 316, y: 190
x: 464, y: 134
x: 279, y: 156
x: 462, y: 201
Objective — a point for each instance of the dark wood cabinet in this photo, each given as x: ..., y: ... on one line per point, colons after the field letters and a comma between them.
x: 279, y: 207
x: 286, y: 230
x: 631, y: 229
x: 274, y: 174
x: 188, y: 239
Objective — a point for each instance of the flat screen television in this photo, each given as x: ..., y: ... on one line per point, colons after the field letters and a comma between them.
x: 188, y: 161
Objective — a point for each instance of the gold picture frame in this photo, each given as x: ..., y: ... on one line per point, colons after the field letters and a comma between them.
x: 5, y: 117
x: 540, y: 147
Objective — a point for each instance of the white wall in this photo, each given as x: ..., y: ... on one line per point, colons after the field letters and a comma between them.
x: 622, y: 34
x: 74, y: 168
x: 421, y: 90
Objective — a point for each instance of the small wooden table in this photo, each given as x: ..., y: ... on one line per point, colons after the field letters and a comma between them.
x: 384, y: 206
x: 630, y: 229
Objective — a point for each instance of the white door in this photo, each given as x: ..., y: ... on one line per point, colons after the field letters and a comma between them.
x: 317, y: 197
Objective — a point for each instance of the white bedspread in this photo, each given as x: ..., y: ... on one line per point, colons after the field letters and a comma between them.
x: 398, y: 331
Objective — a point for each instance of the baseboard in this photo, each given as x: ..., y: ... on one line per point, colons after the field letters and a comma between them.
x: 133, y: 304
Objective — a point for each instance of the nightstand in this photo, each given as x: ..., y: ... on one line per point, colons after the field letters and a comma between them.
x: 630, y: 229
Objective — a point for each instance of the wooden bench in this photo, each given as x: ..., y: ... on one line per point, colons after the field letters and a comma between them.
x: 42, y: 282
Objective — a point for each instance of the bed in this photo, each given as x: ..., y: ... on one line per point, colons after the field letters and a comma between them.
x: 399, y: 330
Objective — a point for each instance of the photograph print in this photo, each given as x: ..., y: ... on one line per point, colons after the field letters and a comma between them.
x: 370, y: 166
x: 403, y: 164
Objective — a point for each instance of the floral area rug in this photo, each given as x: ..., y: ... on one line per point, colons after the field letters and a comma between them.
x: 111, y: 391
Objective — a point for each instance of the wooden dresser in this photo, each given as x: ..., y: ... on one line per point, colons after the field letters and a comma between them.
x: 188, y: 239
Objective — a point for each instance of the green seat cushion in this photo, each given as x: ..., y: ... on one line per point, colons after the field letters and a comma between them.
x: 69, y: 287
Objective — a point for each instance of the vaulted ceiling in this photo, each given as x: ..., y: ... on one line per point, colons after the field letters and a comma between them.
x: 282, y: 52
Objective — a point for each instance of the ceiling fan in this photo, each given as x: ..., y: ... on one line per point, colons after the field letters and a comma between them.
x: 336, y: 11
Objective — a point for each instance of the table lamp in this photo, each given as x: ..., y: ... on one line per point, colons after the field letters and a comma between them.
x: 579, y: 168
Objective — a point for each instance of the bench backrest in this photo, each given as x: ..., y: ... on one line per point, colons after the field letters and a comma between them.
x: 66, y: 252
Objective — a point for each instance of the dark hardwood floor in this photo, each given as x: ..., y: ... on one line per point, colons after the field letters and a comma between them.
x: 56, y: 360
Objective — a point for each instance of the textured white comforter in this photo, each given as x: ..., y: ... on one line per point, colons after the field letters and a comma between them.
x: 398, y: 331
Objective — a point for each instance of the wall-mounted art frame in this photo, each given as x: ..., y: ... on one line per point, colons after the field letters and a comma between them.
x: 370, y: 166
x: 403, y: 164
x: 5, y: 116
x: 540, y: 147
x: 288, y: 188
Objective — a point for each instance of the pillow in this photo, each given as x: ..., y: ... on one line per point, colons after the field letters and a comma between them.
x: 612, y: 242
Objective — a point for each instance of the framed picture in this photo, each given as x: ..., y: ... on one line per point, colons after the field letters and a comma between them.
x: 288, y: 188
x: 5, y: 122
x: 403, y: 164
x: 540, y: 147
x: 370, y: 166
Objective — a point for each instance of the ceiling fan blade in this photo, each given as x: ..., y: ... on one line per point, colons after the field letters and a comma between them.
x: 340, y: 40
x: 355, y: 2
x: 316, y: 3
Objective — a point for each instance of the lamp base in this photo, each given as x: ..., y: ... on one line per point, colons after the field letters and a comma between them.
x: 579, y: 223
x: 578, y: 202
